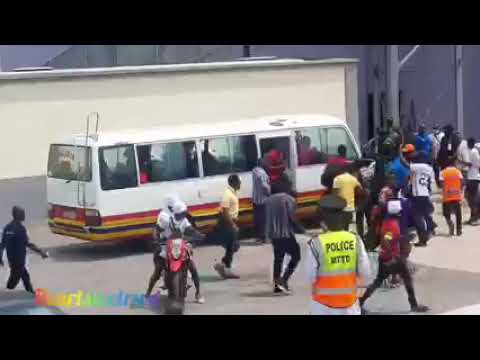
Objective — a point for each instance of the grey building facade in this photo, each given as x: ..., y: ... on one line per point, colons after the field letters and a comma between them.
x: 428, y: 82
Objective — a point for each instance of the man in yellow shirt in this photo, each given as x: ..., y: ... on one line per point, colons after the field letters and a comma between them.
x: 227, y: 229
x: 346, y: 186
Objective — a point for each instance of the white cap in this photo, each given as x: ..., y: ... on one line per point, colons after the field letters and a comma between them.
x: 179, y: 207
x: 394, y: 207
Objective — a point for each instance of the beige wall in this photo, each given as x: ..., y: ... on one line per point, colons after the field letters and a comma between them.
x: 35, y: 113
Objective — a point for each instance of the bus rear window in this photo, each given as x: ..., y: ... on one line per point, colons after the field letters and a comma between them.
x: 118, y: 168
x: 68, y: 162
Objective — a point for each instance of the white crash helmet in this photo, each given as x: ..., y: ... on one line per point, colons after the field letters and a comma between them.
x: 179, y: 207
x: 171, y: 200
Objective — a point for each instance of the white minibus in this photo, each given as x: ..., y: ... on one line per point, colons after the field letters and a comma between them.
x: 111, y: 186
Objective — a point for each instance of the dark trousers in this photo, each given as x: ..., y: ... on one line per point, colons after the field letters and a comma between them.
x: 399, y: 267
x: 422, y: 210
x: 471, y: 191
x: 18, y: 272
x: 281, y: 247
x: 229, y: 239
x: 259, y: 221
x: 455, y: 208
x: 436, y: 170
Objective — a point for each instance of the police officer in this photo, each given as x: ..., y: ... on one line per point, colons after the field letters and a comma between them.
x: 15, y: 240
x: 337, y: 264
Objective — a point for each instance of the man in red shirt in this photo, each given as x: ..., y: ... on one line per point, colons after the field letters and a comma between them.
x: 306, y: 155
x: 341, y: 158
x: 276, y: 165
x: 390, y: 262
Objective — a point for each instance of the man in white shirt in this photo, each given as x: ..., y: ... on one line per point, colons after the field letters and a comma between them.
x: 463, y: 158
x: 473, y: 180
x: 421, y: 178
x: 436, y: 138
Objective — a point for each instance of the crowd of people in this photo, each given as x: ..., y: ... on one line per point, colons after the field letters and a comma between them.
x: 392, y: 194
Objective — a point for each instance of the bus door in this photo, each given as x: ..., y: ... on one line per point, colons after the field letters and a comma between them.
x: 276, y: 148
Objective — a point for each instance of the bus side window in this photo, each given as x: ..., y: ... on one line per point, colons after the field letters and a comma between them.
x: 117, y: 167
x: 310, y: 146
x: 337, y: 136
x: 233, y: 154
x: 169, y: 162
x: 144, y: 163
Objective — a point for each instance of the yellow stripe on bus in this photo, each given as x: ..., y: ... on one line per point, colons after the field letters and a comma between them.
x: 103, y: 237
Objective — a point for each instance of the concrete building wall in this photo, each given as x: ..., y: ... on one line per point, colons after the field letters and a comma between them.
x: 45, y: 111
x: 427, y: 82
x: 359, y: 52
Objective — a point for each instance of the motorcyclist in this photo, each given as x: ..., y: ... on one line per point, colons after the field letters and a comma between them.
x: 174, y: 220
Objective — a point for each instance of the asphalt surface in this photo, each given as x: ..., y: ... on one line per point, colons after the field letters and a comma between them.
x: 447, y: 276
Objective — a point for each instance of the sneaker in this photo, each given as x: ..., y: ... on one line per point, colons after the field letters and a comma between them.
x: 283, y: 286
x: 474, y: 223
x: 230, y: 275
x: 199, y: 299
x: 277, y: 290
x: 260, y: 242
x: 459, y: 232
x: 420, y: 309
x: 220, y: 269
x: 420, y: 244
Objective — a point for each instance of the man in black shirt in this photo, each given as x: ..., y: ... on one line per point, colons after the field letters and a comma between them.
x: 15, y: 240
x: 448, y: 147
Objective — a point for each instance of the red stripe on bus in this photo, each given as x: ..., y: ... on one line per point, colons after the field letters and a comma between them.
x: 131, y: 216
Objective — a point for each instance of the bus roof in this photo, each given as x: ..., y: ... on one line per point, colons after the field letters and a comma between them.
x: 192, y: 131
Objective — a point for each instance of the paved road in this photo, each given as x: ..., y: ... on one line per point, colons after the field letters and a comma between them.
x: 447, y: 277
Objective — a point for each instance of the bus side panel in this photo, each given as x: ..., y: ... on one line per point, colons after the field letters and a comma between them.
x: 211, y: 193
x: 132, y: 213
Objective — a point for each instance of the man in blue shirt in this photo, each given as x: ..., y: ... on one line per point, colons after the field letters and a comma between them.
x: 15, y: 240
x: 399, y: 171
x: 424, y: 142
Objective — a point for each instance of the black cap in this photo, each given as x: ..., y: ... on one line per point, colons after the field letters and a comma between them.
x: 332, y: 202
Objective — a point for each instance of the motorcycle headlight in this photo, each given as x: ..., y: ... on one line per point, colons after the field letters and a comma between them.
x: 177, y: 248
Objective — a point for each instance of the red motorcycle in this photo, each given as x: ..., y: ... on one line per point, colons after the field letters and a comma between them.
x: 178, y: 255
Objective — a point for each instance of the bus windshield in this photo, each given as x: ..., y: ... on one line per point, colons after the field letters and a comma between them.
x: 68, y: 162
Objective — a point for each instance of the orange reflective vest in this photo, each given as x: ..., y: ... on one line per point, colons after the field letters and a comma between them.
x: 336, y: 282
x: 452, y: 184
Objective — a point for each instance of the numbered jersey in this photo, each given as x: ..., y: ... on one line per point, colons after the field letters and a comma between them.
x: 422, y: 176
